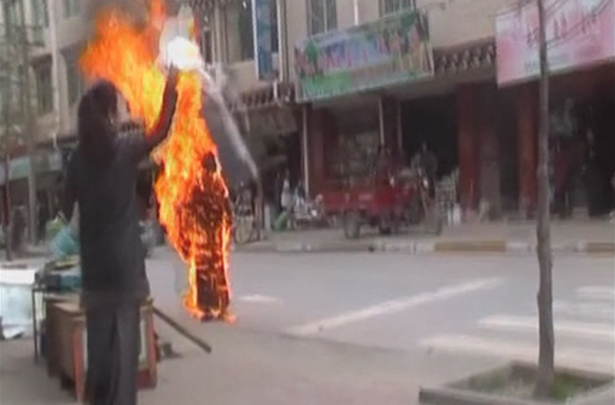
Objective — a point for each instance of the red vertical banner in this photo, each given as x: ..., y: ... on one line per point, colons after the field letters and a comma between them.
x: 316, y: 148
x: 527, y: 138
x: 390, y: 120
x: 469, y: 181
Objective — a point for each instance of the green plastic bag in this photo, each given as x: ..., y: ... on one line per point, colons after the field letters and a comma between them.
x: 64, y: 244
x: 281, y: 222
x: 53, y: 228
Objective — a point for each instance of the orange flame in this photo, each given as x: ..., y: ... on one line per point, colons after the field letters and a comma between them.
x: 193, y: 203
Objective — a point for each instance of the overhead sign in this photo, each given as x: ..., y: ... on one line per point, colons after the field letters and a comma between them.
x: 394, y: 49
x: 579, y: 33
x: 263, y: 26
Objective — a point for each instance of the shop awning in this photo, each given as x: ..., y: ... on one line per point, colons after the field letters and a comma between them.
x: 265, y: 97
x: 467, y: 57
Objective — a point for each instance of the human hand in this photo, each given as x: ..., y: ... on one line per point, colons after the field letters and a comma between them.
x: 170, y: 90
x: 172, y: 76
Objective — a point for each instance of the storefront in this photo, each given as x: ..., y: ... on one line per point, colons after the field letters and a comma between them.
x: 446, y: 98
x: 347, y: 117
x: 269, y: 125
x: 581, y: 49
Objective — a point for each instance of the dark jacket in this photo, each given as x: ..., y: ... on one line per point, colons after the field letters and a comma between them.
x: 112, y: 257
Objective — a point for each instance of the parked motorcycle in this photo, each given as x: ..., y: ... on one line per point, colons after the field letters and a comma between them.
x: 308, y: 214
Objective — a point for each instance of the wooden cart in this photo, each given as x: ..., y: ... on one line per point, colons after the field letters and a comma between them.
x: 67, y: 337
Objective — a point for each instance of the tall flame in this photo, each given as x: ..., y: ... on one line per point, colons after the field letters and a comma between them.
x: 193, y: 202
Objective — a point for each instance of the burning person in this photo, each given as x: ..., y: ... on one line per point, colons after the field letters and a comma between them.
x: 209, y: 215
x: 101, y: 178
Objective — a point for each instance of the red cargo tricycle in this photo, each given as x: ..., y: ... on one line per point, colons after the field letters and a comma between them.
x: 389, y: 198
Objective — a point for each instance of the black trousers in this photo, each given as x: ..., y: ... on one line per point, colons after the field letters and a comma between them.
x: 113, y: 342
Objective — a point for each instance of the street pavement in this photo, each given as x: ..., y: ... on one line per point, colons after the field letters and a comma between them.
x: 359, y: 328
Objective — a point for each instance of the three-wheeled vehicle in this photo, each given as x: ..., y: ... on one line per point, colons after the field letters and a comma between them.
x: 390, y: 197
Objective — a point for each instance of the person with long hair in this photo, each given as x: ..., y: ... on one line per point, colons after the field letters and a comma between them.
x: 102, y: 179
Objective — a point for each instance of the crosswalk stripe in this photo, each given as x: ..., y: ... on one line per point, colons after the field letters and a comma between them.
x: 258, y: 298
x: 569, y: 328
x: 564, y: 357
x: 394, y: 306
x: 596, y: 292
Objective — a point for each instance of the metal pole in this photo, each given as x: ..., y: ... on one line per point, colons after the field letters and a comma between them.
x: 282, y: 41
x: 7, y: 71
x: 7, y: 196
x: 305, y: 150
x: 28, y: 124
x: 355, y: 7
x: 55, y: 70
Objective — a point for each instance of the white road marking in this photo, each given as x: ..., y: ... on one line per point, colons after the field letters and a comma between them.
x: 596, y: 360
x: 257, y: 298
x: 596, y: 331
x: 396, y: 305
x: 591, y: 310
x: 596, y: 292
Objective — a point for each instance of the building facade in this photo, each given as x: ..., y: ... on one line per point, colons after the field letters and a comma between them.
x: 471, y: 120
x: 456, y: 103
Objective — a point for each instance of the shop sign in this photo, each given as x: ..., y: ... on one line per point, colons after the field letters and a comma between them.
x: 579, y: 33
x: 263, y: 26
x: 392, y: 50
x: 19, y: 168
x: 272, y: 122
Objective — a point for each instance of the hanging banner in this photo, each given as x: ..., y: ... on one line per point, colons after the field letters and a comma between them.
x: 394, y: 49
x: 263, y: 52
x: 579, y: 33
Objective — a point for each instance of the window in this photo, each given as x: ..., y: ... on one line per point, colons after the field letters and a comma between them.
x: 72, y: 8
x: 274, y: 26
x: 246, y: 32
x: 241, y: 41
x: 73, y: 82
x: 40, y: 20
x: 395, y: 6
x: 40, y: 14
x: 206, y: 45
x: 12, y: 14
x: 44, y: 88
x: 322, y: 16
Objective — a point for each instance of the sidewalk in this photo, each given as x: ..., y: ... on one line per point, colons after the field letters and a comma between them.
x: 253, y: 368
x: 577, y: 236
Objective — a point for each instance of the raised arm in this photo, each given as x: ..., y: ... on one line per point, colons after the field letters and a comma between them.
x: 140, y: 146
x: 165, y: 119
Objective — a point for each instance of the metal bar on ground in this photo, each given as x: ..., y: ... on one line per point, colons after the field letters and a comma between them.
x: 182, y: 331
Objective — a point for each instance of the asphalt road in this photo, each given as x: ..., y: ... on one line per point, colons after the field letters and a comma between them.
x: 357, y: 328
x: 482, y: 306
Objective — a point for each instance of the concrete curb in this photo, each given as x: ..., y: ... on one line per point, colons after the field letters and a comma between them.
x: 459, y: 393
x: 430, y: 247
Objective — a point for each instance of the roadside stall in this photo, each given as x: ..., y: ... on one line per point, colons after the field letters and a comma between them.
x: 44, y: 300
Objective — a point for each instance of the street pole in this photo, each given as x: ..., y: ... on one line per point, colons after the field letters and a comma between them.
x: 7, y: 199
x: 545, y: 376
x: 55, y: 76
x: 28, y: 123
x: 7, y: 77
x: 355, y: 8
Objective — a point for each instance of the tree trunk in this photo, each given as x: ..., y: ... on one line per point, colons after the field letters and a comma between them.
x: 545, y: 376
